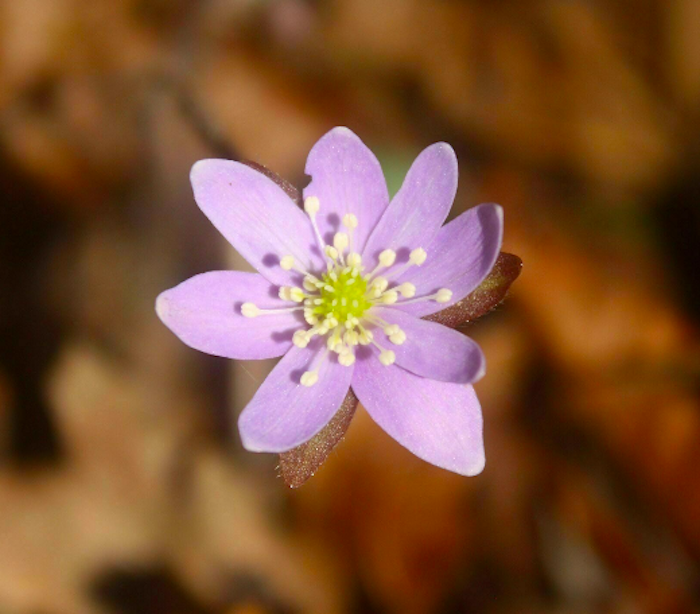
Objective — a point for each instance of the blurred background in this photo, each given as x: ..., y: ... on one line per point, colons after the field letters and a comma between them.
x: 123, y: 485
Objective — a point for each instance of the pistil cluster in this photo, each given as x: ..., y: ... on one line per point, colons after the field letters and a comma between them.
x: 339, y: 303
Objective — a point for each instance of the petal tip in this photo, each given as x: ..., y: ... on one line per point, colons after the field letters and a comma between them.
x: 163, y: 306
x: 476, y: 467
x: 198, y: 168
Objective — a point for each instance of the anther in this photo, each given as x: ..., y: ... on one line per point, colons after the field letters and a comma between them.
x: 309, y: 378
x: 391, y: 329
x: 389, y: 298
x: 380, y: 284
x: 418, y: 256
x: 443, y: 295
x: 309, y: 284
x: 312, y: 205
x: 407, y: 290
x: 346, y: 358
x: 365, y: 337
x: 331, y: 252
x: 250, y: 310
x: 354, y: 260
x: 387, y: 257
x: 284, y: 293
x: 350, y: 221
x: 340, y: 241
x: 297, y: 295
x: 387, y: 357
x: 287, y: 263
x: 301, y: 338
x: 398, y: 337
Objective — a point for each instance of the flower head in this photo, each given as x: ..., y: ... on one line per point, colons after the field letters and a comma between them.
x: 341, y: 290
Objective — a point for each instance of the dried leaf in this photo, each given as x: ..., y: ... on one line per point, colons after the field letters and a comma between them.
x: 299, y: 464
x: 486, y: 297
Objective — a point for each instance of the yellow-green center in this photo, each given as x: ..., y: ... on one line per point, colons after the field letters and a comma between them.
x: 343, y: 297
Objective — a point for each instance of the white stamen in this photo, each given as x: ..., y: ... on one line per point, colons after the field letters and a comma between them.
x: 365, y: 337
x: 387, y: 357
x: 380, y: 284
x: 297, y: 295
x: 391, y: 329
x: 354, y: 260
x: 287, y: 263
x: 312, y: 205
x: 284, y: 293
x: 398, y: 337
x: 389, y: 298
x: 250, y: 310
x: 346, y: 358
x: 309, y: 378
x: 301, y: 338
x: 350, y: 221
x: 407, y: 290
x: 309, y: 284
x: 331, y: 252
x: 387, y: 257
x: 418, y: 256
x: 443, y: 295
x: 310, y: 317
x: 351, y: 337
x: 340, y: 241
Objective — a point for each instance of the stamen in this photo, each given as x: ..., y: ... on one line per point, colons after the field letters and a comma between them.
x: 311, y: 205
x: 288, y: 263
x: 387, y: 358
x: 389, y: 297
x: 380, y: 284
x: 365, y: 337
x: 301, y: 338
x: 354, y: 260
x: 297, y: 295
x: 309, y: 378
x: 251, y: 310
x: 340, y: 241
x: 331, y: 252
x: 309, y: 283
x: 284, y: 293
x: 444, y: 295
x: 407, y: 290
x: 387, y: 258
x: 350, y: 221
x: 398, y: 337
x: 418, y: 256
x: 347, y: 358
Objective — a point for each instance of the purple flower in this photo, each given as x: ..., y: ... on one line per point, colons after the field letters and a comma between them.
x: 341, y: 290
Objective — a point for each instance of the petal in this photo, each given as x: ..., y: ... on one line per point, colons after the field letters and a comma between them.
x: 205, y: 313
x: 419, y: 208
x: 459, y: 258
x: 255, y: 216
x: 284, y: 414
x: 347, y: 178
x: 439, y: 422
x: 433, y: 350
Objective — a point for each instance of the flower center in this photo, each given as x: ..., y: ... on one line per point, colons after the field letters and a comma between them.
x: 338, y: 304
x: 343, y: 295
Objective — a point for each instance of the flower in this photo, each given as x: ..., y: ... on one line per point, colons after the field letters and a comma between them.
x: 340, y: 291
